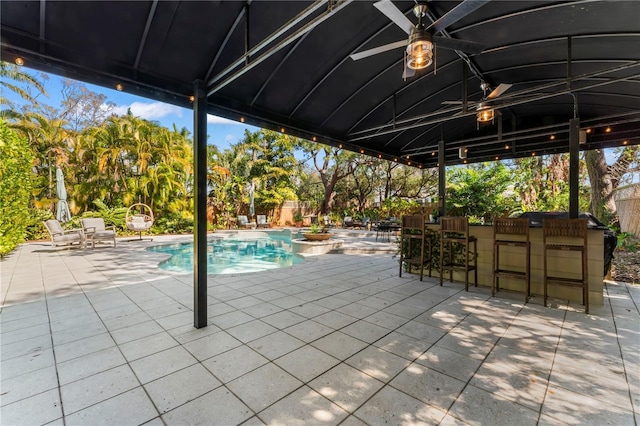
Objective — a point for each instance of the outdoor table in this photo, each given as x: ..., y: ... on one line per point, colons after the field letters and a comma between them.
x: 385, y: 227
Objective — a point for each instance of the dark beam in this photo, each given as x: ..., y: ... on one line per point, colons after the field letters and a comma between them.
x: 226, y: 39
x: 145, y: 34
x: 442, y: 180
x: 574, y: 166
x: 277, y: 68
x: 454, y: 113
x: 534, y: 132
x: 337, y: 66
x: 43, y: 25
x: 200, y: 210
x: 217, y: 82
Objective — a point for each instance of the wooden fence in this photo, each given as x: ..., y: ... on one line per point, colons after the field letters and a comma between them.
x: 628, y: 204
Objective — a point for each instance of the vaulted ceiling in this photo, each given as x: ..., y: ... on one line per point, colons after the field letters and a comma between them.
x: 286, y: 65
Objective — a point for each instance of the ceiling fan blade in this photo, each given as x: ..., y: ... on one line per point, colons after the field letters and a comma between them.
x: 392, y: 12
x: 469, y: 103
x: 502, y: 87
x: 379, y: 49
x: 455, y: 14
x: 465, y: 46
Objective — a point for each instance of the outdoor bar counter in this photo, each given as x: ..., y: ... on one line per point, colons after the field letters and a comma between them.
x: 560, y: 263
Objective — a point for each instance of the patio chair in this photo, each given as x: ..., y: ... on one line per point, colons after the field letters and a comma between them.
x: 454, y: 231
x: 244, y: 222
x: 412, y: 232
x: 95, y: 231
x: 262, y: 221
x: 348, y: 222
x: 509, y: 233
x: 60, y: 236
x: 139, y: 221
x: 327, y: 222
x: 563, y: 236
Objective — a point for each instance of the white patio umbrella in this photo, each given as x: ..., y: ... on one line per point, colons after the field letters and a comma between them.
x: 62, y: 210
x: 252, y: 208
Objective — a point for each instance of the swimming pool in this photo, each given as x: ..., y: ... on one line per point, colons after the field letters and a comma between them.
x: 233, y: 254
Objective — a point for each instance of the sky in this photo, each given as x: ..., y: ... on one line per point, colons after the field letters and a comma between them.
x: 222, y: 132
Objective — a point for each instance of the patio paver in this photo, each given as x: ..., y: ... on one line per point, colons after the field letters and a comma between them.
x: 104, y: 336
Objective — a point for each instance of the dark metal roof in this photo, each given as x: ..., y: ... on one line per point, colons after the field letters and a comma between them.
x: 579, y: 57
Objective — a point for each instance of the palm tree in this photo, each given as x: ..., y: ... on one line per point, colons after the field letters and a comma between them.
x: 10, y: 72
x: 266, y: 158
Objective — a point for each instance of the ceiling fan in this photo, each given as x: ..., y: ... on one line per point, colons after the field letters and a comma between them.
x: 421, y: 41
x: 485, y: 111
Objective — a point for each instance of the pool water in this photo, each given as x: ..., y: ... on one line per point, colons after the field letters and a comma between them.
x: 235, y: 254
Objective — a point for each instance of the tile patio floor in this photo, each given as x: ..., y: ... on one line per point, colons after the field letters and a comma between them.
x: 105, y: 337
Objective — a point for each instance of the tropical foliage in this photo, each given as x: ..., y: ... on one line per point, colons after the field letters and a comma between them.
x: 10, y: 77
x: 15, y: 188
x: 480, y: 191
x: 111, y: 161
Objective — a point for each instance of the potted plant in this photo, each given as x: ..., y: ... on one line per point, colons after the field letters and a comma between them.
x: 298, y: 218
x: 316, y: 233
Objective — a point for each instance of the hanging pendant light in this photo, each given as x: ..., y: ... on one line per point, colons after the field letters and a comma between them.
x: 420, y: 47
x: 485, y: 113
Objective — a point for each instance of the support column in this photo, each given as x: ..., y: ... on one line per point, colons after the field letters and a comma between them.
x: 442, y: 180
x: 574, y: 167
x: 200, y: 205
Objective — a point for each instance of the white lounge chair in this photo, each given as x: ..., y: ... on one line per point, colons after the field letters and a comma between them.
x: 243, y: 222
x: 95, y: 230
x: 262, y: 221
x: 60, y: 236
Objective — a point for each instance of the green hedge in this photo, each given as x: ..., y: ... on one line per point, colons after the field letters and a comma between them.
x: 15, y: 188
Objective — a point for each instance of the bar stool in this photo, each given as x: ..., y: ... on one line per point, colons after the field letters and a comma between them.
x: 382, y: 229
x: 454, y: 230
x: 566, y: 235
x: 512, y: 233
x: 413, y: 231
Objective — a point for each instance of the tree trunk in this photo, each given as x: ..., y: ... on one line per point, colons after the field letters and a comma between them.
x: 605, y: 179
x: 327, y: 202
x: 602, y: 204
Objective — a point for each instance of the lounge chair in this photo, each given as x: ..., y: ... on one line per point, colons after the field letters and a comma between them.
x: 262, y: 221
x: 60, y: 236
x: 95, y: 230
x: 244, y: 222
x: 348, y: 222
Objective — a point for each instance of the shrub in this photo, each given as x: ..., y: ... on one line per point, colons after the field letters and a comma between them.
x: 15, y: 188
x: 35, y: 228
x: 626, y: 241
x: 174, y: 225
x: 112, y: 215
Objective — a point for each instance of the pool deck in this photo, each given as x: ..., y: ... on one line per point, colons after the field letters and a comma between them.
x: 105, y: 337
